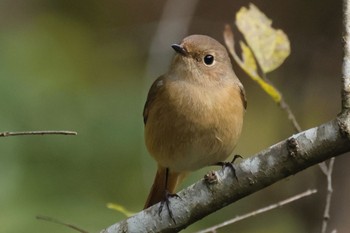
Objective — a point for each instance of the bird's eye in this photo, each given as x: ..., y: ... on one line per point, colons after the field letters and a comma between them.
x: 209, y: 59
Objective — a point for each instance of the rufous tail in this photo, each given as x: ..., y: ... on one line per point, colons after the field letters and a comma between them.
x: 163, y: 183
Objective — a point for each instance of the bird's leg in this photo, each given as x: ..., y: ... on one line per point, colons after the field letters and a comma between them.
x: 230, y: 164
x: 167, y: 196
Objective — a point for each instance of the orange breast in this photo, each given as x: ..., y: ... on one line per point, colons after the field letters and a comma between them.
x: 193, y: 128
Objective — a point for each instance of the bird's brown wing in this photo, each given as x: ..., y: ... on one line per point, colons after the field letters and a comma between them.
x: 156, y: 87
x: 243, y: 96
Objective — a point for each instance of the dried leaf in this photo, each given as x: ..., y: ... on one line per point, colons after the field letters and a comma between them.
x: 248, y: 64
x: 248, y: 58
x: 270, y: 46
x: 271, y: 90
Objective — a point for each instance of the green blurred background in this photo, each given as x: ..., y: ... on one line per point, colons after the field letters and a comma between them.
x: 87, y: 66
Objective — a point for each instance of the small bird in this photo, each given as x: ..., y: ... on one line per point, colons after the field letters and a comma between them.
x: 193, y: 115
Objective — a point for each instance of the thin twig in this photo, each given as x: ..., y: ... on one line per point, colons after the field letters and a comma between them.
x: 326, y: 215
x: 49, y: 219
x: 260, y: 211
x: 46, y: 132
x: 323, y: 167
x: 291, y: 116
x: 283, y: 105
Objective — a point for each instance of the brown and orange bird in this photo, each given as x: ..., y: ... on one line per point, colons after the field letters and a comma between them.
x: 193, y: 115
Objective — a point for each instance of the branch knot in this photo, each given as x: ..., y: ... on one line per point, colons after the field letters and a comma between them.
x: 293, y: 147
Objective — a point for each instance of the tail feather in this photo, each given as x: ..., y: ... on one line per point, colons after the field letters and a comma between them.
x: 158, y: 189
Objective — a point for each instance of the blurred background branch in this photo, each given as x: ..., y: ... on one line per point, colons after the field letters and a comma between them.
x: 173, y: 26
x: 46, y: 132
x: 327, y: 170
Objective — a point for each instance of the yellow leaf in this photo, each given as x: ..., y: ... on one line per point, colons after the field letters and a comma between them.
x: 248, y: 58
x: 120, y: 209
x: 270, y: 46
x: 248, y: 64
x: 271, y: 90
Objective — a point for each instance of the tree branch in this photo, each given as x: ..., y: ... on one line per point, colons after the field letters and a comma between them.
x: 46, y: 132
x: 346, y: 59
x: 281, y: 160
x: 328, y: 173
x: 345, y: 93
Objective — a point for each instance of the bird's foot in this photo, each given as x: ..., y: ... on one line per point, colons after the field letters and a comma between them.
x: 166, y: 201
x: 230, y: 164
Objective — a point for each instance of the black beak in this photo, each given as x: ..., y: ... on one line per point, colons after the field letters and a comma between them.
x: 179, y: 49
